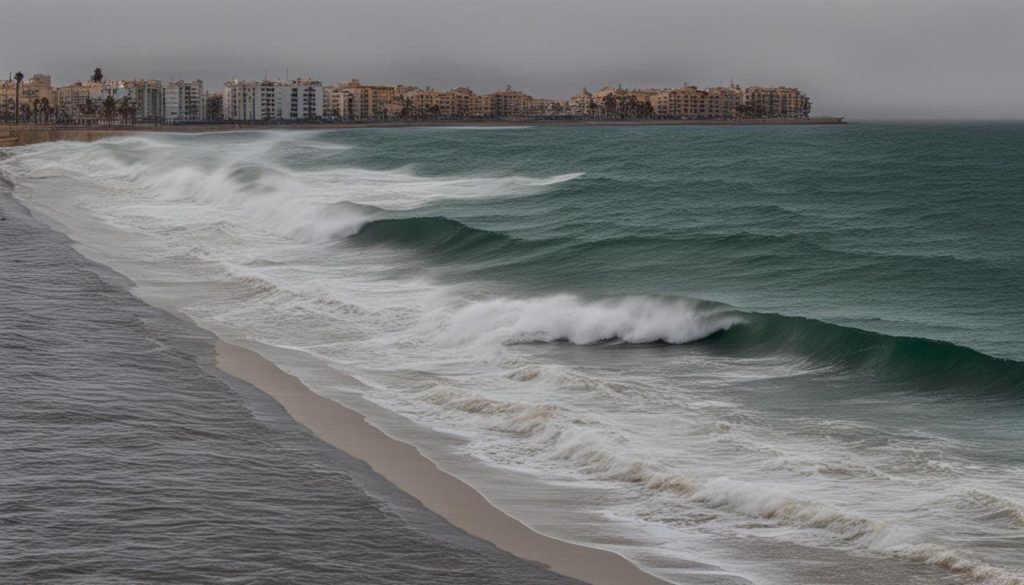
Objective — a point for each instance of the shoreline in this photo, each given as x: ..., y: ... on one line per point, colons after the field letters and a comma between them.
x: 253, y: 496
x: 31, y: 134
x: 405, y: 467
x: 400, y: 463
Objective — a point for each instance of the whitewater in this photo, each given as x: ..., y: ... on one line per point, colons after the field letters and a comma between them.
x: 734, y: 355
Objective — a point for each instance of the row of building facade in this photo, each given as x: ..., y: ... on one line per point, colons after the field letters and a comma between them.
x: 692, y: 102
x: 352, y: 100
x: 149, y: 100
x: 310, y: 100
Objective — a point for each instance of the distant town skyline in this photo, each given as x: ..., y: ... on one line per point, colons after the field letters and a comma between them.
x: 870, y: 58
x: 35, y: 99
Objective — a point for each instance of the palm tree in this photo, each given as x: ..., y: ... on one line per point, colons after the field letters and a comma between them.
x: 608, y: 105
x: 109, y: 109
x: 124, y: 109
x: 17, y: 95
x: 97, y: 75
x: 88, y: 108
x: 215, y: 107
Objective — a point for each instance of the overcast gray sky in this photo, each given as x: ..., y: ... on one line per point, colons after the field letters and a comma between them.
x: 860, y: 58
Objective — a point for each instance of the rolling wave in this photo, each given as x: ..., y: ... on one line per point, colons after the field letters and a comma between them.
x: 909, y: 363
x: 435, y: 234
x: 913, y: 362
x: 304, y: 206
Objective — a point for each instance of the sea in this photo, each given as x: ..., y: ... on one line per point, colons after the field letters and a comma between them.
x: 128, y: 458
x: 778, y: 355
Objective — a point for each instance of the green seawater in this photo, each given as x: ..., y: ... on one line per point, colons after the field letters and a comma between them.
x: 908, y: 230
x: 747, y: 344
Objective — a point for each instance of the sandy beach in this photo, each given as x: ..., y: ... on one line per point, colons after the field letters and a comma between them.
x: 405, y: 467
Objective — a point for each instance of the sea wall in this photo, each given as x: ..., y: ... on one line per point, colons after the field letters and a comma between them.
x: 30, y: 134
x: 6, y: 139
x: 34, y: 135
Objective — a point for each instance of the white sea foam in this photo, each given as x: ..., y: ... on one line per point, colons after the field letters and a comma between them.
x: 568, y: 318
x: 962, y: 563
x: 402, y: 189
x: 998, y: 507
x: 676, y: 433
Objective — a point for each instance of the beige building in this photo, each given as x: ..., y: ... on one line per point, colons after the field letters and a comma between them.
x: 483, y: 106
x: 32, y: 88
x: 582, y: 104
x: 337, y: 102
x: 641, y: 95
x: 724, y: 102
x: 364, y: 102
x: 367, y: 102
x: 511, y: 103
x: 776, y: 102
x: 622, y: 102
x: 36, y: 87
x: 456, y: 103
x: 462, y: 102
x: 543, y: 107
x: 693, y: 103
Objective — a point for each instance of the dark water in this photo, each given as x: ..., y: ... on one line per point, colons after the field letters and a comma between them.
x: 905, y: 229
x: 125, y: 457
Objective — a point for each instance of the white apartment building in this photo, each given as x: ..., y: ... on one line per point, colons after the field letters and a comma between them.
x: 148, y: 96
x: 184, y: 101
x: 301, y: 99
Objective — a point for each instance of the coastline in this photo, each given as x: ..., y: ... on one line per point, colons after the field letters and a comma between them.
x: 25, y: 135
x: 405, y: 467
x: 402, y: 465
x: 184, y: 455
x: 83, y: 198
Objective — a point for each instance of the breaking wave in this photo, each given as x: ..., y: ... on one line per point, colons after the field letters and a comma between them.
x: 569, y: 318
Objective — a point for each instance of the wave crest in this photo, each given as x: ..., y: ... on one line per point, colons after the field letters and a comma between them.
x: 636, y: 319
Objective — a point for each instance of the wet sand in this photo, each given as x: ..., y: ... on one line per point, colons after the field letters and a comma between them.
x: 406, y: 468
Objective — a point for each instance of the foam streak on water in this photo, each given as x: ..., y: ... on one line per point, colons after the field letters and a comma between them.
x: 127, y: 457
x: 696, y: 358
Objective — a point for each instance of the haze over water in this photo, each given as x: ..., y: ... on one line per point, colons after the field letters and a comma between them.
x: 789, y: 354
